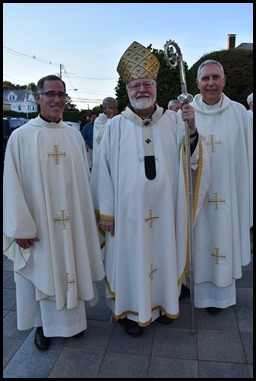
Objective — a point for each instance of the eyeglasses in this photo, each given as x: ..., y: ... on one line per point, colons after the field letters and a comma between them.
x: 137, y: 86
x: 52, y: 94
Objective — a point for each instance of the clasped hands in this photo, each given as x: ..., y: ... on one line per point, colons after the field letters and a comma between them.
x: 107, y: 226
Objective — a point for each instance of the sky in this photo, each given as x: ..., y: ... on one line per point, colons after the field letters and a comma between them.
x: 83, y: 42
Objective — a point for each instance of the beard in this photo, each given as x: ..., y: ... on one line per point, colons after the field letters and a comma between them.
x: 143, y: 103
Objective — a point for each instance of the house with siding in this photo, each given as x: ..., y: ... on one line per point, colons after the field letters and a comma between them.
x: 19, y: 101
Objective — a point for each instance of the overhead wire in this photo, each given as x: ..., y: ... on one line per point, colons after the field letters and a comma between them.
x: 67, y: 75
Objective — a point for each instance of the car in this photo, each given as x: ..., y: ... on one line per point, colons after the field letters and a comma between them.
x: 73, y: 124
x: 9, y: 125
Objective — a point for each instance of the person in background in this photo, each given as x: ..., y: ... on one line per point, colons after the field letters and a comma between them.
x: 250, y: 111
x: 138, y: 186
x: 222, y: 229
x: 49, y: 224
x: 174, y: 105
x: 250, y: 104
x: 109, y: 108
x: 87, y: 133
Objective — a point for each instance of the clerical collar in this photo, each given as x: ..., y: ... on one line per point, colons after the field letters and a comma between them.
x: 208, y: 104
x: 149, y: 118
x: 47, y: 120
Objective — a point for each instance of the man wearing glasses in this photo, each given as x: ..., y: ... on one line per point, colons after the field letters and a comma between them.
x: 139, y: 194
x: 49, y: 224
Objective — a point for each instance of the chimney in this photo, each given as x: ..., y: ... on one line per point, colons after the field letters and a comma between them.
x: 231, y: 41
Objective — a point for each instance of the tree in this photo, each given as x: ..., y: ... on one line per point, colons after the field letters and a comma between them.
x: 32, y: 86
x: 10, y: 86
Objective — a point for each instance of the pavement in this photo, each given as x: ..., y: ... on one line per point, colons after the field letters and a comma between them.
x: 218, y: 346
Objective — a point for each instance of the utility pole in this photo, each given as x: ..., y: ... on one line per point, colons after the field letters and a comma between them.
x: 61, y: 66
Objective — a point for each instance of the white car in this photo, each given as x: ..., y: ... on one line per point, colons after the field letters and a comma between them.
x: 73, y: 124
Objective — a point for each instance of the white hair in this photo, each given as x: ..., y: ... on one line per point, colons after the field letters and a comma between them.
x: 173, y: 102
x: 209, y: 62
x: 250, y: 99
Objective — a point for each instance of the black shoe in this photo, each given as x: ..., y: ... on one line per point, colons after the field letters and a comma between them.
x: 122, y: 321
x: 185, y: 292
x: 41, y: 342
x: 78, y: 335
x: 213, y: 310
x: 132, y: 328
x: 164, y: 319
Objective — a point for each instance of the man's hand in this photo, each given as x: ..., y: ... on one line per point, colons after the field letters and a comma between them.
x: 107, y: 226
x: 188, y: 114
x: 26, y: 243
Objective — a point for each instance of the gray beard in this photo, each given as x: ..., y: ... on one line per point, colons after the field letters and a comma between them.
x: 142, y: 104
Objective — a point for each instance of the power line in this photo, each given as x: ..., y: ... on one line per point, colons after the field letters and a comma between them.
x: 11, y: 51
x: 75, y: 76
x: 62, y: 69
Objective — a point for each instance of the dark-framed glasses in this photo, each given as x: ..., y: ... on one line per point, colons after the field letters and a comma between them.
x: 52, y: 94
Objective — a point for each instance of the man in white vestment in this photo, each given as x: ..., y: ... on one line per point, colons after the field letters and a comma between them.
x: 109, y: 107
x: 139, y: 190
x: 222, y: 229
x: 50, y: 229
x: 174, y: 105
x: 250, y: 104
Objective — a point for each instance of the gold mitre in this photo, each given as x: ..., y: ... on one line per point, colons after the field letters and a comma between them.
x: 137, y: 62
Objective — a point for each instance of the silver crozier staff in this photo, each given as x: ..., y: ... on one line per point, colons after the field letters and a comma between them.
x: 173, y: 56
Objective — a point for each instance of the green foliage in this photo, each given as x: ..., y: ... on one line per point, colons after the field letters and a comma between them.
x: 121, y: 95
x: 10, y: 86
x: 238, y: 67
x: 168, y: 80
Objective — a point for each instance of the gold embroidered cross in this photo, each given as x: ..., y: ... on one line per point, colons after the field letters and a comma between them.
x: 216, y: 200
x: 217, y: 255
x: 55, y: 154
x: 62, y: 219
x: 212, y: 143
x: 151, y: 218
x: 152, y: 271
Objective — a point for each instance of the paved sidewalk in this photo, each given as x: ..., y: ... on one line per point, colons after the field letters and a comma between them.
x: 221, y: 347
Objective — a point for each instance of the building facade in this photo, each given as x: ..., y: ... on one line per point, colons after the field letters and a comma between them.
x: 19, y: 101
